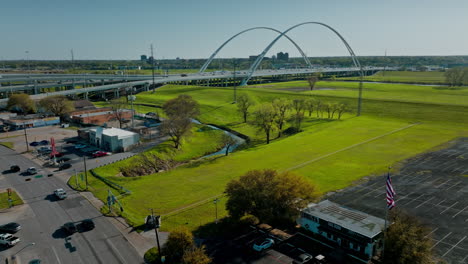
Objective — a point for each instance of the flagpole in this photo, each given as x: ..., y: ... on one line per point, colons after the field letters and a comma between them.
x: 386, y: 214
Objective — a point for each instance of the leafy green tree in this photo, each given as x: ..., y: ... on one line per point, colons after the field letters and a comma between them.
x: 244, y: 102
x: 59, y: 105
x: 342, y: 108
x: 281, y: 107
x: 268, y: 195
x: 455, y: 76
x: 407, y: 241
x: 265, y: 117
x: 310, y: 104
x: 183, y: 106
x: 178, y: 241
x: 21, y: 103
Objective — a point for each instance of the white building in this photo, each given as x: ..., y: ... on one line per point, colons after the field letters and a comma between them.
x: 112, y: 139
x: 358, y: 233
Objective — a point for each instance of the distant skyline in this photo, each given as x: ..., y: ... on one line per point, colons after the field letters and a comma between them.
x: 113, y: 30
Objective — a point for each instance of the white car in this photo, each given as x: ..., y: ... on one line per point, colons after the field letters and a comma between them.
x: 60, y: 193
x: 8, y: 240
x: 31, y: 171
x: 263, y: 244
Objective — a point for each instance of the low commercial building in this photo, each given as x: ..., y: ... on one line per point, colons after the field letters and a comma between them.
x: 100, y: 116
x: 112, y: 139
x: 36, y: 120
x: 358, y: 233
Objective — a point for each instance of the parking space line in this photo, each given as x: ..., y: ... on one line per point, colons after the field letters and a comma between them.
x: 412, y: 200
x: 441, y: 240
x: 441, y: 201
x: 443, y: 183
x: 432, y: 232
x: 424, y: 202
x: 448, y: 208
x: 453, y: 186
x: 460, y: 211
x: 454, y: 246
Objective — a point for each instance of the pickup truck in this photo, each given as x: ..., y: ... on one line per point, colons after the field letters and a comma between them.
x: 9, y: 240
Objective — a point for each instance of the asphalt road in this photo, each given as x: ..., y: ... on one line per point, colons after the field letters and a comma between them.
x: 42, y: 217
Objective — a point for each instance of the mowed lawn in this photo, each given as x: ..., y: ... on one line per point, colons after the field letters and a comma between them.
x: 405, y: 77
x: 331, y: 154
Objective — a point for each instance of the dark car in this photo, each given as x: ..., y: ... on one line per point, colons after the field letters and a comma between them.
x: 70, y: 227
x: 34, y: 144
x: 87, y: 225
x: 64, y: 166
x: 71, y: 141
x: 10, y: 227
x: 63, y: 159
x: 14, y: 168
x: 57, y: 155
x: 44, y: 142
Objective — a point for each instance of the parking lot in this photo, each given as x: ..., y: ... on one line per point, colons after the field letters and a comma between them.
x: 432, y: 187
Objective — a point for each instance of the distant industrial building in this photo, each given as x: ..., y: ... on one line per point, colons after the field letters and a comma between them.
x: 282, y: 56
x: 113, y: 139
x: 358, y: 233
x: 99, y: 116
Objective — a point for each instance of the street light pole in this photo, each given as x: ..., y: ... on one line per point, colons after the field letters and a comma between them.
x: 26, y: 137
x: 86, y: 172
x: 28, y: 245
x: 152, y: 64
x: 235, y: 84
x: 215, y: 201
x: 156, y: 225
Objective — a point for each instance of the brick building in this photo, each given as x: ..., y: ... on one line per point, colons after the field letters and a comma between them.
x: 99, y: 116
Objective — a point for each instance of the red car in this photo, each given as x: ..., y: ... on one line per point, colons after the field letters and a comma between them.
x: 98, y: 154
x: 58, y: 155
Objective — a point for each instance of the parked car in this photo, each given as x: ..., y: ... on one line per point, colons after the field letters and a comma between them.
x: 14, y: 168
x: 44, y: 142
x: 60, y: 193
x: 63, y: 159
x: 263, y: 244
x: 8, y: 240
x: 80, y: 146
x: 34, y: 144
x: 71, y: 141
x: 64, y: 166
x: 87, y: 225
x: 99, y: 153
x: 69, y: 227
x: 302, y: 258
x: 45, y: 150
x: 10, y: 227
x: 31, y: 171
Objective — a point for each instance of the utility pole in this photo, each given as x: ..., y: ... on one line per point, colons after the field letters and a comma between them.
x: 152, y: 64
x: 27, y: 58
x: 156, y: 226
x: 235, y: 83
x: 86, y: 172
x: 26, y: 137
x: 72, y: 58
x: 215, y: 201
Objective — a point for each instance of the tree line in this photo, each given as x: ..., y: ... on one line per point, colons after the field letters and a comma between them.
x: 273, y: 116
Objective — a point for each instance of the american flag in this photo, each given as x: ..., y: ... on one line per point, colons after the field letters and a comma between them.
x: 54, y: 150
x: 390, y: 193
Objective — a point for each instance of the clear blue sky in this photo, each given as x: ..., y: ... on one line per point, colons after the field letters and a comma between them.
x: 115, y: 29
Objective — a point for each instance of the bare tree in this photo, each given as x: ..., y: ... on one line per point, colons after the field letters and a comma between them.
x: 265, y: 119
x: 281, y: 106
x: 343, y: 108
x: 310, y: 104
x: 244, y: 102
x: 118, y: 110
x: 455, y: 76
x: 59, y: 105
x: 227, y: 141
x: 313, y: 80
x: 176, y: 129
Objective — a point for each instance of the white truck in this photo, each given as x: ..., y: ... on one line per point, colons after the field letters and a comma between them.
x: 8, y: 239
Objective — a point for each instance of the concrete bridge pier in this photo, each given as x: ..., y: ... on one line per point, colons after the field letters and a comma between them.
x: 35, y: 87
x: 86, y: 96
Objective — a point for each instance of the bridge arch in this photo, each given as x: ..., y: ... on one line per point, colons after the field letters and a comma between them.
x: 203, y: 68
x: 259, y: 59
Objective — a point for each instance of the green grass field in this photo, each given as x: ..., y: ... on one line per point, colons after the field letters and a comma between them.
x: 404, y: 77
x: 4, y: 199
x: 399, y: 121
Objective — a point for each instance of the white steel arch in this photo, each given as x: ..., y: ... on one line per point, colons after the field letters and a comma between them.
x: 203, y: 68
